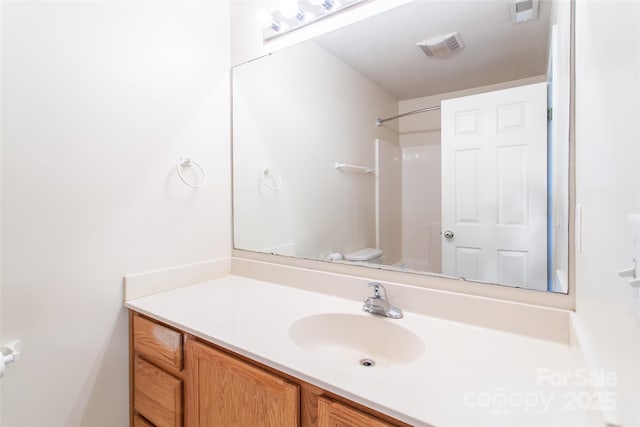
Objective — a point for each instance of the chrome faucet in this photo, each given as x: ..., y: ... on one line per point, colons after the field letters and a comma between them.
x: 378, y: 303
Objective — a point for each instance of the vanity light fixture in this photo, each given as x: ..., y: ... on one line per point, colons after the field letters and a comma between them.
x: 294, y: 14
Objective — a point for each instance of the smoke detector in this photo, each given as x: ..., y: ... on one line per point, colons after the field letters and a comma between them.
x: 441, y: 45
x: 523, y: 10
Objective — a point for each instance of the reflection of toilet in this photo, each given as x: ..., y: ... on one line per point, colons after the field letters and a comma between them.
x: 366, y: 255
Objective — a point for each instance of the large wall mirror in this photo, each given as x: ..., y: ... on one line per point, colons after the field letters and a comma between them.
x: 432, y: 138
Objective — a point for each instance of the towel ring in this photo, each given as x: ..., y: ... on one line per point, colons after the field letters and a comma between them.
x: 187, y: 162
x: 275, y: 183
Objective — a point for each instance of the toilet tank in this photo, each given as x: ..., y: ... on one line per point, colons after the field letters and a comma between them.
x: 366, y: 255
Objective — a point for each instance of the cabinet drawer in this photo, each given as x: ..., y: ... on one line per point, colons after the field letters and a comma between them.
x: 157, y: 343
x: 157, y: 395
x: 332, y: 413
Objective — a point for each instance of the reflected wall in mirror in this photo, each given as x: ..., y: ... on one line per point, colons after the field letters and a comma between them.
x: 472, y: 181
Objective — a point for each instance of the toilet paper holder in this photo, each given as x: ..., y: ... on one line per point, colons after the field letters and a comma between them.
x: 10, y: 353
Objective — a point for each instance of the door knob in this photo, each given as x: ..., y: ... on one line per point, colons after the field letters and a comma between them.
x: 448, y: 234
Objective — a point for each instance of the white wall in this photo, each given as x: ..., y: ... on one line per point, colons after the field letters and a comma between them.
x: 99, y: 101
x: 608, y: 155
x: 300, y: 111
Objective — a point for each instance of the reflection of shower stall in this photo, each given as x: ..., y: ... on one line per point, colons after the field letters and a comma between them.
x: 408, y: 205
x: 420, y: 187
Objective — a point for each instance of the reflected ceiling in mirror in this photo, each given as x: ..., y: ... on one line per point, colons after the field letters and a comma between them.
x: 476, y: 186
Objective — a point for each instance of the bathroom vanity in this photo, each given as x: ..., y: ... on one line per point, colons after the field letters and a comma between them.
x: 402, y: 184
x: 178, y: 379
x: 239, y: 351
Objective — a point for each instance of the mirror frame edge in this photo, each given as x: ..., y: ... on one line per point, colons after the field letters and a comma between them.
x: 571, y: 291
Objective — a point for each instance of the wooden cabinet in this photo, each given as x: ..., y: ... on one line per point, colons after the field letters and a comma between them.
x: 227, y: 391
x: 178, y: 380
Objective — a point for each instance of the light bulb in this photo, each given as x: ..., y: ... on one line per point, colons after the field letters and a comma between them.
x: 326, y: 4
x: 289, y: 8
x: 306, y: 16
x: 263, y: 18
x: 331, y: 4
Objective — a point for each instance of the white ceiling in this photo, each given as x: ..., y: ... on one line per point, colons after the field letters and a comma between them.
x: 383, y: 48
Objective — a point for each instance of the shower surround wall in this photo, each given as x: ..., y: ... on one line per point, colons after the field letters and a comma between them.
x: 421, y: 208
x: 330, y: 112
x: 389, y: 201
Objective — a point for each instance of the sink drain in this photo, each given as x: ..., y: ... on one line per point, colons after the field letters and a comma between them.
x: 367, y: 363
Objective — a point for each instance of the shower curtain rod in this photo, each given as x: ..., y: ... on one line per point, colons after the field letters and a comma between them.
x: 379, y: 122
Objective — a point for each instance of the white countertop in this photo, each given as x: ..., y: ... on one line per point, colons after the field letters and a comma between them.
x: 467, y: 376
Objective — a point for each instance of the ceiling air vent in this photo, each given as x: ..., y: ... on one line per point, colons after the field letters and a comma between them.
x: 523, y: 10
x: 441, y: 45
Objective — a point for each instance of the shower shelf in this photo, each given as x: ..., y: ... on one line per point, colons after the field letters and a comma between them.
x: 346, y: 167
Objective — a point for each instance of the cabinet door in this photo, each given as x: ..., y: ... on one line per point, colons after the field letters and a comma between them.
x: 226, y: 392
x: 335, y: 414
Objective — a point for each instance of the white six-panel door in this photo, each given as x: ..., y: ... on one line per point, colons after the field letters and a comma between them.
x: 494, y: 184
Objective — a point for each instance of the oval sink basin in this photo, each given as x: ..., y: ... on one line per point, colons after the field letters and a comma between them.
x: 357, y: 339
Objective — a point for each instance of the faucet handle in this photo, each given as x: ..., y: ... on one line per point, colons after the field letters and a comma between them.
x: 378, y: 290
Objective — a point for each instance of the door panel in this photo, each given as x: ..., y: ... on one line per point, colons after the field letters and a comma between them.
x: 468, y: 263
x: 494, y: 181
x: 512, y: 185
x: 466, y: 190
